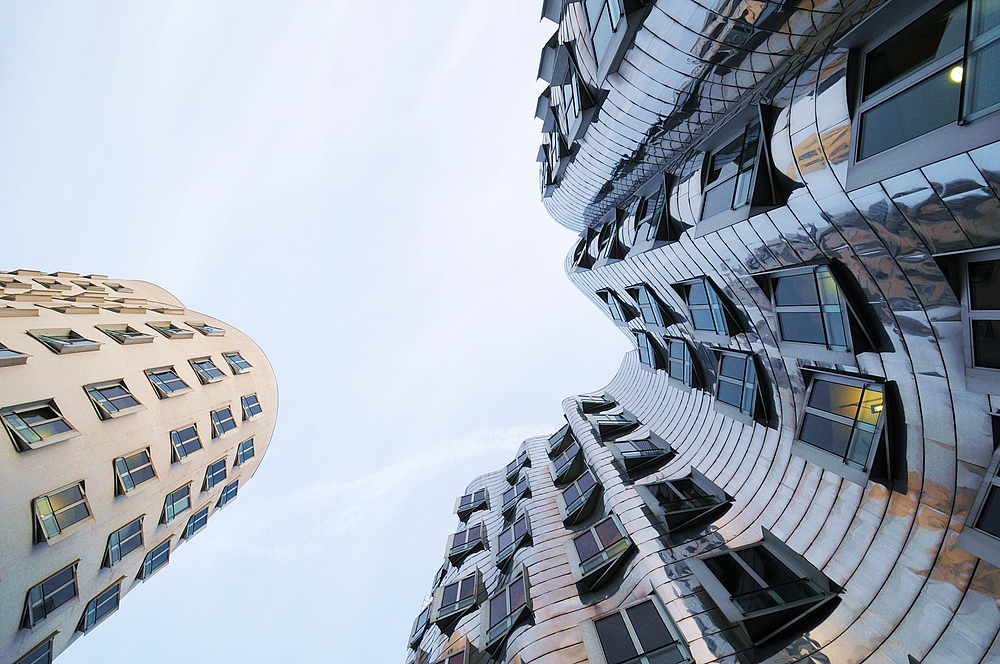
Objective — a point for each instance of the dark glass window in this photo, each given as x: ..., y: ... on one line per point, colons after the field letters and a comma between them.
x: 618, y: 309
x: 112, y: 399
x: 737, y: 383
x: 31, y: 424
x: 64, y: 341
x: 705, y: 305
x: 810, y: 309
x: 510, y: 539
x: 594, y: 545
x: 229, y: 493
x: 843, y: 418
x: 244, y: 452
x: 576, y: 494
x: 648, y: 353
x: 471, y: 502
x: 215, y: 473
x: 125, y: 334
x: 680, y: 363
x: 565, y: 460
x: 155, y: 559
x: 61, y: 509
x: 504, y: 608
x: 237, y: 363
x: 458, y: 595
x: 251, y: 407
x: 206, y: 370
x: 171, y: 331
x: 639, y: 630
x: 166, y: 382
x: 185, y: 441
x: 222, y: 422
x: 984, y: 312
x: 512, y: 495
x: 604, y: 17
x: 757, y: 580
x: 982, y: 83
x: 197, y: 521
x: 40, y: 654
x: 124, y: 541
x: 516, y: 465
x: 465, y: 540
x: 133, y: 470
x: 100, y: 607
x: 49, y: 595
x: 176, y: 502
x: 729, y: 179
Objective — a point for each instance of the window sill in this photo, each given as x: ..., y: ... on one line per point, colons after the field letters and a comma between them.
x: 980, y: 544
x: 982, y: 381
x: 735, y: 413
x: 120, y: 413
x: 830, y: 462
x: 175, y: 393
x: 66, y: 532
x: 816, y: 353
x: 51, y: 440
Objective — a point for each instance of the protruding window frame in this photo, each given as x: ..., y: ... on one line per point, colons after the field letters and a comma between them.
x: 204, y: 373
x: 456, y: 553
x: 125, y: 334
x: 113, y: 551
x: 474, y: 505
x: 521, y: 490
x: 686, y: 516
x: 21, y: 444
x: 172, y: 500
x: 219, y: 430
x: 445, y: 617
x: 599, y: 568
x: 162, y: 387
x: 169, y: 330
x: 63, y: 341
x: 248, y: 407
x: 493, y: 638
x: 726, y: 324
x: 229, y: 493
x: 41, y: 534
x: 41, y: 599
x: 580, y: 508
x: 179, y: 448
x: 105, y: 407
x: 122, y: 481
x: 111, y: 592
x: 147, y: 569
x: 503, y: 556
x: 237, y: 364
x: 638, y: 463
x: 595, y: 649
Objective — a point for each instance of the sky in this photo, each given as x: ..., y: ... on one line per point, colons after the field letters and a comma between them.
x: 354, y: 186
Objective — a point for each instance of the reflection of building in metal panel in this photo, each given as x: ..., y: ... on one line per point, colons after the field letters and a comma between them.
x: 808, y: 262
x: 111, y: 461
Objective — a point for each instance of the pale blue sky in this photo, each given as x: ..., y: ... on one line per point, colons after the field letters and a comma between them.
x: 354, y: 186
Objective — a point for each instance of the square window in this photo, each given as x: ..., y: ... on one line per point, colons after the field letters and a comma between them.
x: 640, y: 457
x: 184, y: 442
x: 197, y: 521
x: 40, y: 654
x: 42, y: 600
x: 171, y: 331
x: 62, y: 341
x: 36, y: 424
x: 578, y: 500
x: 684, y: 502
x: 206, y: 370
x: 214, y: 474
x: 155, y: 560
x: 251, y: 407
x: 975, y: 278
x: 132, y: 470
x: 453, y: 600
x: 208, y: 330
x: 100, y: 608
x: 229, y: 493
x: 112, y: 399
x: 509, y: 606
x: 711, y: 313
x: 568, y: 465
x: 596, y: 553
x: 57, y: 513
x: 10, y: 358
x: 166, y: 382
x: 513, y: 495
x: 466, y: 541
x: 244, y: 452
x: 125, y: 334
x: 236, y: 363
x: 177, y: 502
x: 511, y: 539
x: 122, y: 542
x: 642, y: 632
x: 222, y: 422
x: 738, y: 387
x: 515, y: 466
x: 472, y: 502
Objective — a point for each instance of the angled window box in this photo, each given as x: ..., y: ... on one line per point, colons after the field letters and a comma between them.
x: 236, y: 363
x: 766, y: 589
x: 510, y: 539
x: 43, y: 653
x: 197, y: 521
x: 464, y: 542
x: 598, y: 552
x: 560, y: 440
x: 472, y: 502
x: 510, y: 606
x: 229, y: 493
x: 244, y: 452
x: 513, y: 495
x: 682, y: 365
x: 515, y: 466
x: 439, y: 576
x: 215, y: 474
x: 122, y: 542
x: 711, y: 313
x: 112, y: 399
x: 11, y: 358
x: 125, y: 334
x: 641, y: 633
x: 981, y: 532
x: 207, y: 330
x: 169, y: 330
x: 206, y: 370
x: 613, y: 25
x: 100, y: 607
x: 568, y: 465
x: 251, y: 407
x: 574, y: 105
x: 459, y: 654
x: 454, y: 600
x: 739, y: 390
x: 651, y: 308
x: 132, y: 470
x: 222, y: 422
x: 847, y: 427
x: 554, y: 156
x: 155, y: 560
x: 43, y: 599
x: 166, y: 382
x: 61, y: 512
x: 685, y: 502
x: 176, y: 503
x: 595, y: 403
x: 183, y: 442
x: 654, y: 225
x: 975, y: 279
x: 609, y: 243
x: 642, y: 456
x: 609, y: 425
x: 577, y: 501
x: 582, y: 260
x: 621, y: 311
x: 36, y: 424
x: 650, y: 353
x: 420, y: 625
x: 63, y: 341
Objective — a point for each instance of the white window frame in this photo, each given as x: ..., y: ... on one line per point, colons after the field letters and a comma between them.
x: 169, y: 330
x: 147, y: 570
x: 105, y: 407
x: 19, y: 439
x: 235, y: 360
x: 204, y: 373
x: 229, y: 493
x: 247, y: 407
x: 41, y: 533
x: 162, y: 387
x: 179, y: 451
x: 171, y: 502
x: 218, y: 421
x: 113, y: 551
x: 63, y: 341
x: 125, y: 334
x: 123, y: 474
x: 759, y: 408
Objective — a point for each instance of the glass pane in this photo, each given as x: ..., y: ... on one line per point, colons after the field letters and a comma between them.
x: 733, y: 366
x: 516, y: 592
x: 506, y: 538
x: 65, y: 497
x: 608, y: 533
x: 835, y: 398
x: 50, y: 429
x: 587, y: 546
x: 702, y: 319
x: 719, y: 198
x: 615, y: 640
x: 585, y: 482
x: 724, y: 162
x: 520, y: 527
x: 982, y: 87
x: 930, y: 104
x: 984, y: 285
x: 697, y: 294
x: 914, y: 48
x: 766, y: 565
x: 989, y: 517
x: 648, y: 626
x: 498, y: 609
x: 795, y: 290
x: 68, y: 517
x: 825, y: 434
x: 468, y: 587
x: 450, y: 595
x: 731, y: 393
x: 871, y: 406
x: 37, y: 415
x: 986, y: 343
x: 802, y: 327
x: 731, y: 575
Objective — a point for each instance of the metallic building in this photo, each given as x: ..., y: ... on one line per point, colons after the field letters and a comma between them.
x: 127, y: 421
x: 793, y: 210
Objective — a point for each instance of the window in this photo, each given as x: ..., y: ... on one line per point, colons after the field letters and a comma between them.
x: 737, y: 388
x: 133, y: 470
x: 515, y: 466
x: 578, y: 500
x: 560, y: 439
x: 465, y: 542
x: 981, y: 532
x: 251, y: 407
x: 184, y: 442
x: 123, y: 541
x: 652, y: 310
x: 53, y: 284
x: 118, y: 288
x: 125, y: 334
x: 710, y: 311
x: 10, y: 358
x: 842, y: 425
x: 514, y: 494
x: 40, y: 654
x: 171, y: 331
x: 680, y: 363
x: 64, y: 340
x: 57, y: 512
x: 567, y: 466
x: 36, y: 424
x: 608, y: 25
x: 222, y: 422
x: 596, y: 553
x: 452, y: 657
x: 766, y: 578
x: 684, y: 502
x: 100, y: 608
x: 197, y: 521
x: 937, y: 74
x: 176, y: 502
x: 112, y: 399
x: 642, y: 633
x: 510, y: 540
x: 206, y: 370
x: 649, y: 351
x: 595, y: 403
x: 236, y: 363
x: 215, y: 473
x: 505, y: 609
x: 454, y: 599
x: 166, y: 382
x: 244, y: 452
x: 42, y: 600
x: 609, y: 244
x: 155, y: 560
x: 619, y: 311
x: 229, y: 493
x: 420, y: 626
x: 730, y: 172
x: 613, y: 424
x: 975, y: 278
x: 471, y: 502
x: 640, y: 457
x: 813, y: 318
x: 208, y: 330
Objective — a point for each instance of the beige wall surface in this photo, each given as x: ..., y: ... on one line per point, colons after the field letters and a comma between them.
x: 28, y: 304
